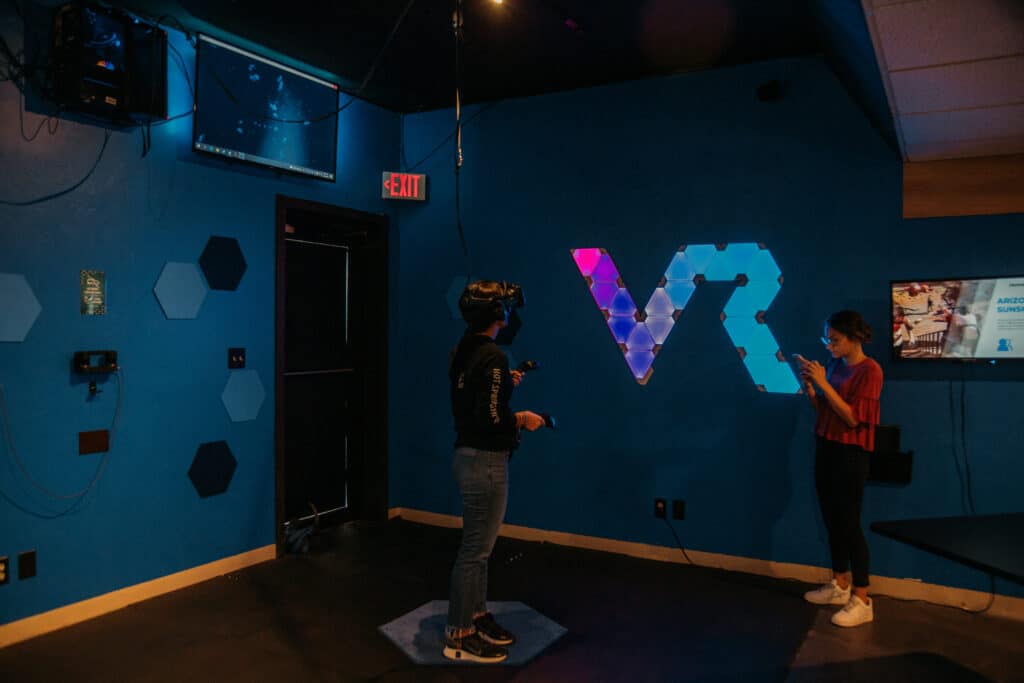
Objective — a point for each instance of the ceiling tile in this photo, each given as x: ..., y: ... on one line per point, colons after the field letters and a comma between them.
x: 930, y: 32
x: 960, y: 86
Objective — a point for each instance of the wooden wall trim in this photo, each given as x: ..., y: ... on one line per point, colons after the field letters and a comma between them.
x: 977, y: 186
x: 37, y: 625
x: 904, y: 589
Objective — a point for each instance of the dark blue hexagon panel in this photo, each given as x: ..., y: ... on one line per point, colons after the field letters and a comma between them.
x: 222, y: 263
x: 19, y: 307
x: 212, y: 468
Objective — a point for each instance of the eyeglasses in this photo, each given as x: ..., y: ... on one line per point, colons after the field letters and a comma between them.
x: 828, y: 342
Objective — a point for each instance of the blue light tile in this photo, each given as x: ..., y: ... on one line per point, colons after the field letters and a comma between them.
x: 679, y: 292
x: 740, y: 329
x: 660, y: 304
x: 659, y: 327
x: 738, y: 256
x: 640, y: 339
x: 776, y: 377
x: 755, y: 296
x: 763, y: 267
x: 639, y: 362
x: 622, y: 303
x: 693, y: 261
x: 621, y: 326
x: 760, y: 341
x: 605, y: 270
x: 603, y: 293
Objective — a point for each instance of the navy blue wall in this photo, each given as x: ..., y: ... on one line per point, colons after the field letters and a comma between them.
x: 640, y: 169
x: 143, y: 519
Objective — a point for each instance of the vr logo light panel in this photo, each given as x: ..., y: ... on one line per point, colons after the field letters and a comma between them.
x: 641, y: 333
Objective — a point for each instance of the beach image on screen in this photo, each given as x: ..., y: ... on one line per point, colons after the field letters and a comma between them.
x: 965, y: 319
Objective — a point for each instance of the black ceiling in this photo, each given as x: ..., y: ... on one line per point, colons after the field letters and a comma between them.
x: 512, y: 49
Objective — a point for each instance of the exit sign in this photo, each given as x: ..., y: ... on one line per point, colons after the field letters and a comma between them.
x: 404, y: 186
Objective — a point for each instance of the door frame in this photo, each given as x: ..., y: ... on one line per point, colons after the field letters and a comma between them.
x: 372, y: 464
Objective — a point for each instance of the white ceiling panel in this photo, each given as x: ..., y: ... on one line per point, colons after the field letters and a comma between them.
x: 960, y: 86
x: 964, y: 124
x: 931, y: 32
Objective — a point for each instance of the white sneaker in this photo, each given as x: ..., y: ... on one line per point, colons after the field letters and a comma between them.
x: 829, y: 594
x: 855, y: 613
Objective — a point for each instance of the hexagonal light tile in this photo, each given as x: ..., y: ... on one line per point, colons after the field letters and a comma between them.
x: 770, y: 374
x: 243, y: 395
x: 212, y: 468
x: 748, y: 264
x: 756, y: 295
x: 731, y: 261
x: 19, y: 305
x: 223, y: 263
x: 180, y: 290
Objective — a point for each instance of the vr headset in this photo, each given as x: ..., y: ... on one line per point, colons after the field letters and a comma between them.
x: 485, y: 301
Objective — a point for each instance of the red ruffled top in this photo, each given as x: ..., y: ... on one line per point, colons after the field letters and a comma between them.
x: 859, y: 385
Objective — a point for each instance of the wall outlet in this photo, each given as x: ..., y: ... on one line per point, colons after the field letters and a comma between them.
x: 4, y: 573
x: 659, y: 508
x: 678, y: 509
x: 26, y: 564
x: 236, y: 358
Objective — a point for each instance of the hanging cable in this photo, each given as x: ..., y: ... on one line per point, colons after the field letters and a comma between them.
x: 457, y: 29
x: 963, y: 438
x: 99, y: 470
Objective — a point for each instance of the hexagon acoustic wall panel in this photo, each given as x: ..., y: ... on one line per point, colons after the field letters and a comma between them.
x: 243, y: 395
x: 641, y: 332
x: 212, y: 468
x: 223, y: 263
x: 19, y: 307
x: 180, y: 290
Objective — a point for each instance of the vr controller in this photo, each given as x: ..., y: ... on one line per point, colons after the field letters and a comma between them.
x: 527, y: 366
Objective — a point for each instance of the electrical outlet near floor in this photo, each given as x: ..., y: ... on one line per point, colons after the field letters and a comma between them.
x: 4, y: 570
x: 659, y: 508
x: 678, y: 509
x: 26, y: 564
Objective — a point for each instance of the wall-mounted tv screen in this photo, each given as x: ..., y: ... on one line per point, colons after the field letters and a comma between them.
x: 966, y: 318
x: 252, y: 109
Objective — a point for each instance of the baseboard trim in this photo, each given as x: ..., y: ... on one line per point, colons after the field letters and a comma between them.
x: 37, y: 625
x: 904, y: 589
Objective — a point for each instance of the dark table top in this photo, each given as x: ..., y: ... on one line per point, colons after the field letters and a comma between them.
x: 994, y: 543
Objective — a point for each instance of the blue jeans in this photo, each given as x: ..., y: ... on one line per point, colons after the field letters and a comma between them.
x: 483, y: 481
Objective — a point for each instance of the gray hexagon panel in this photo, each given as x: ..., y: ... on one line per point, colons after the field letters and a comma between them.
x: 212, y: 468
x: 243, y: 395
x: 222, y: 263
x: 180, y: 290
x: 19, y: 307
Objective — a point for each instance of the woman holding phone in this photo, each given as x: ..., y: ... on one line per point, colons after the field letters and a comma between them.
x: 845, y: 393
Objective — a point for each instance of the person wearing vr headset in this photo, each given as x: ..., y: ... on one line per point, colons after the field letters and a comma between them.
x: 487, y: 431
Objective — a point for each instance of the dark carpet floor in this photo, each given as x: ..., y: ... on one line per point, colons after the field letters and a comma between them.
x: 314, y: 617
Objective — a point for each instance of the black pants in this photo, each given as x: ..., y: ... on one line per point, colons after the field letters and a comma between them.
x: 840, y: 472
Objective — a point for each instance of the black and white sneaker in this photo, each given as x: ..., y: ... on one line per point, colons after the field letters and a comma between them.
x: 492, y: 631
x: 473, y: 648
